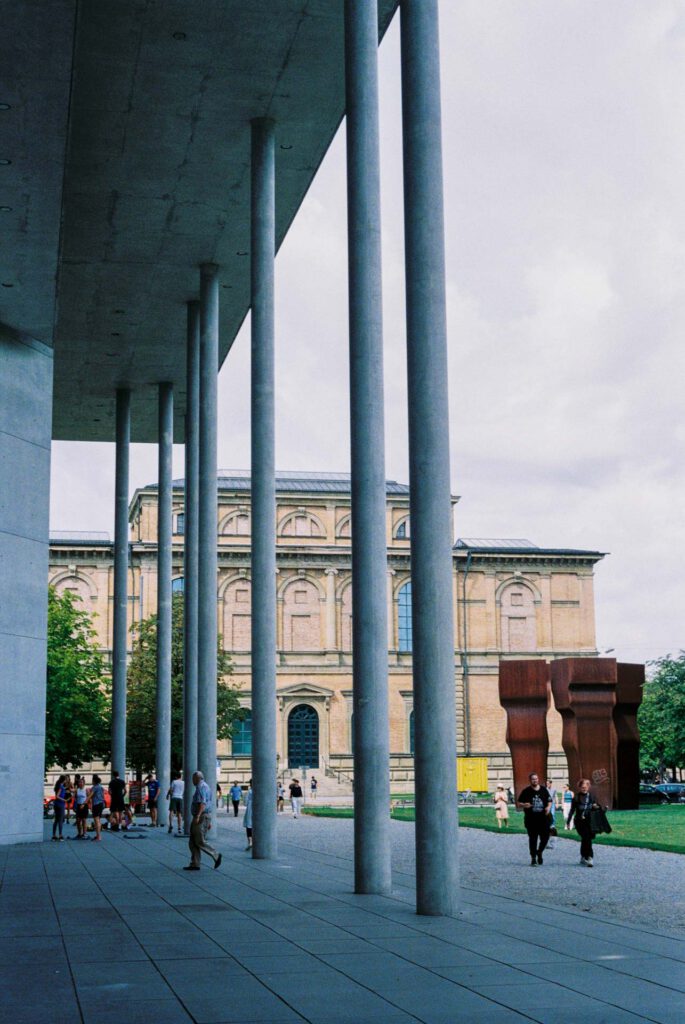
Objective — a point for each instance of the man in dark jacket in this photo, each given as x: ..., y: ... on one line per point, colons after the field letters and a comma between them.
x: 536, y: 803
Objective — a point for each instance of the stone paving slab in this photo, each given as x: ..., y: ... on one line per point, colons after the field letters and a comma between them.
x: 97, y: 933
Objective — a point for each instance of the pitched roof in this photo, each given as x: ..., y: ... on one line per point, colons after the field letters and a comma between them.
x: 292, y: 480
x: 516, y: 546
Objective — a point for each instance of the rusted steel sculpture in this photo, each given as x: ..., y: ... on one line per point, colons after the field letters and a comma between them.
x: 584, y: 692
x: 598, y: 701
x: 629, y: 686
x: 524, y: 695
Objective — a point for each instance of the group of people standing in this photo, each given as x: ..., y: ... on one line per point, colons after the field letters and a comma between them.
x: 91, y: 800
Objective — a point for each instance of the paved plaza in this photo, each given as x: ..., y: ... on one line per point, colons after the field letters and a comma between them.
x: 118, y: 932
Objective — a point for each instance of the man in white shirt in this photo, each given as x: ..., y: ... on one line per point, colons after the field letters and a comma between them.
x: 175, y: 798
x: 201, y: 823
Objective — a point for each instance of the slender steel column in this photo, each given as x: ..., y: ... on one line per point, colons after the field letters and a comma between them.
x: 263, y: 249
x: 429, y: 465
x: 165, y: 440
x: 369, y: 543
x: 120, y: 610
x: 207, y: 525
x: 190, y: 536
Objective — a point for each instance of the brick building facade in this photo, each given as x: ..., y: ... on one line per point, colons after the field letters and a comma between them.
x: 511, y: 599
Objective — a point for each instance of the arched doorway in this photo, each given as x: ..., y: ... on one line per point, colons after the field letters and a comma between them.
x: 303, y: 737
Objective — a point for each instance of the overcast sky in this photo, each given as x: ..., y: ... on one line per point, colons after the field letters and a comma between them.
x: 564, y: 153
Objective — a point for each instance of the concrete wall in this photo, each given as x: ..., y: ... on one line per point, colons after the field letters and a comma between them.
x: 25, y: 432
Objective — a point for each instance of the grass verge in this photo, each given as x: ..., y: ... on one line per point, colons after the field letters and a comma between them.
x: 650, y: 828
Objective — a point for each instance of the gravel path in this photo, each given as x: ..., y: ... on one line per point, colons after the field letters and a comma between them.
x: 642, y: 887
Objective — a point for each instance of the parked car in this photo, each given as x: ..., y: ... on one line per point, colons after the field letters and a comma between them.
x: 675, y: 791
x: 652, y: 794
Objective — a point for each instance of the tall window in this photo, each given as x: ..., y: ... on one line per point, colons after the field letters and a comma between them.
x: 177, y: 585
x: 181, y: 523
x: 404, y: 618
x: 411, y: 732
x: 242, y: 735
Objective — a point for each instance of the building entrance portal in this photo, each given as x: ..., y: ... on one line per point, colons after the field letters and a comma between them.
x: 303, y: 737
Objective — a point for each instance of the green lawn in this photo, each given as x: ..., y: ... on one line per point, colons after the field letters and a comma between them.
x: 652, y: 828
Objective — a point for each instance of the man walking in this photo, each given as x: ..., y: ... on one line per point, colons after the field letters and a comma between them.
x: 295, y: 796
x: 536, y: 803
x: 236, y: 797
x: 200, y: 825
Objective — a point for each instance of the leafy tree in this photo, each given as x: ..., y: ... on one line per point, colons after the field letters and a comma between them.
x: 142, y: 688
x: 77, y: 717
x: 662, y: 716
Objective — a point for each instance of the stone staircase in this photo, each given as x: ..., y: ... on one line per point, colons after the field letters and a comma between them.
x: 334, y: 789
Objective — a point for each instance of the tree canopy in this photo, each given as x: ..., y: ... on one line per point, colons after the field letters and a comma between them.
x: 142, y: 688
x: 662, y: 716
x: 77, y: 716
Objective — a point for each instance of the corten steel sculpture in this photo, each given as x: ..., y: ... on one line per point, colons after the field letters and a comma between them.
x: 524, y: 695
x: 630, y: 681
x: 584, y: 692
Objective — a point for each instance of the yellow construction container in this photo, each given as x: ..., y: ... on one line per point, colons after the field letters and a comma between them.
x: 472, y: 773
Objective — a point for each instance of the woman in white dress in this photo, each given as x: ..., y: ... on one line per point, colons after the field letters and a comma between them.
x: 501, y: 807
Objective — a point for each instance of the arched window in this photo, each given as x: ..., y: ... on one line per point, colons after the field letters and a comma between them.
x: 242, y: 736
x: 180, y: 524
x: 403, y: 531
x: 346, y: 624
x: 78, y: 588
x: 237, y: 524
x: 178, y: 585
x: 519, y: 627
x: 411, y: 732
x: 238, y: 615
x: 301, y: 617
x: 404, y: 618
x: 344, y: 527
x: 300, y: 524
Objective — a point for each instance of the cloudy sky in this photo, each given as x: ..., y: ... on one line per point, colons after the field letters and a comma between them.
x: 564, y: 153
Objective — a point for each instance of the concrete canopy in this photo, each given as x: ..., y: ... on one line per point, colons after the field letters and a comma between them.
x: 132, y: 128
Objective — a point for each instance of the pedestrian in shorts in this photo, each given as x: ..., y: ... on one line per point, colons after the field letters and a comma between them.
x: 96, y: 802
x: 81, y: 803
x: 175, y: 798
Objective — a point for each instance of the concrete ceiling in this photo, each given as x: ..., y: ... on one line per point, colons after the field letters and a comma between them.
x: 129, y: 134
